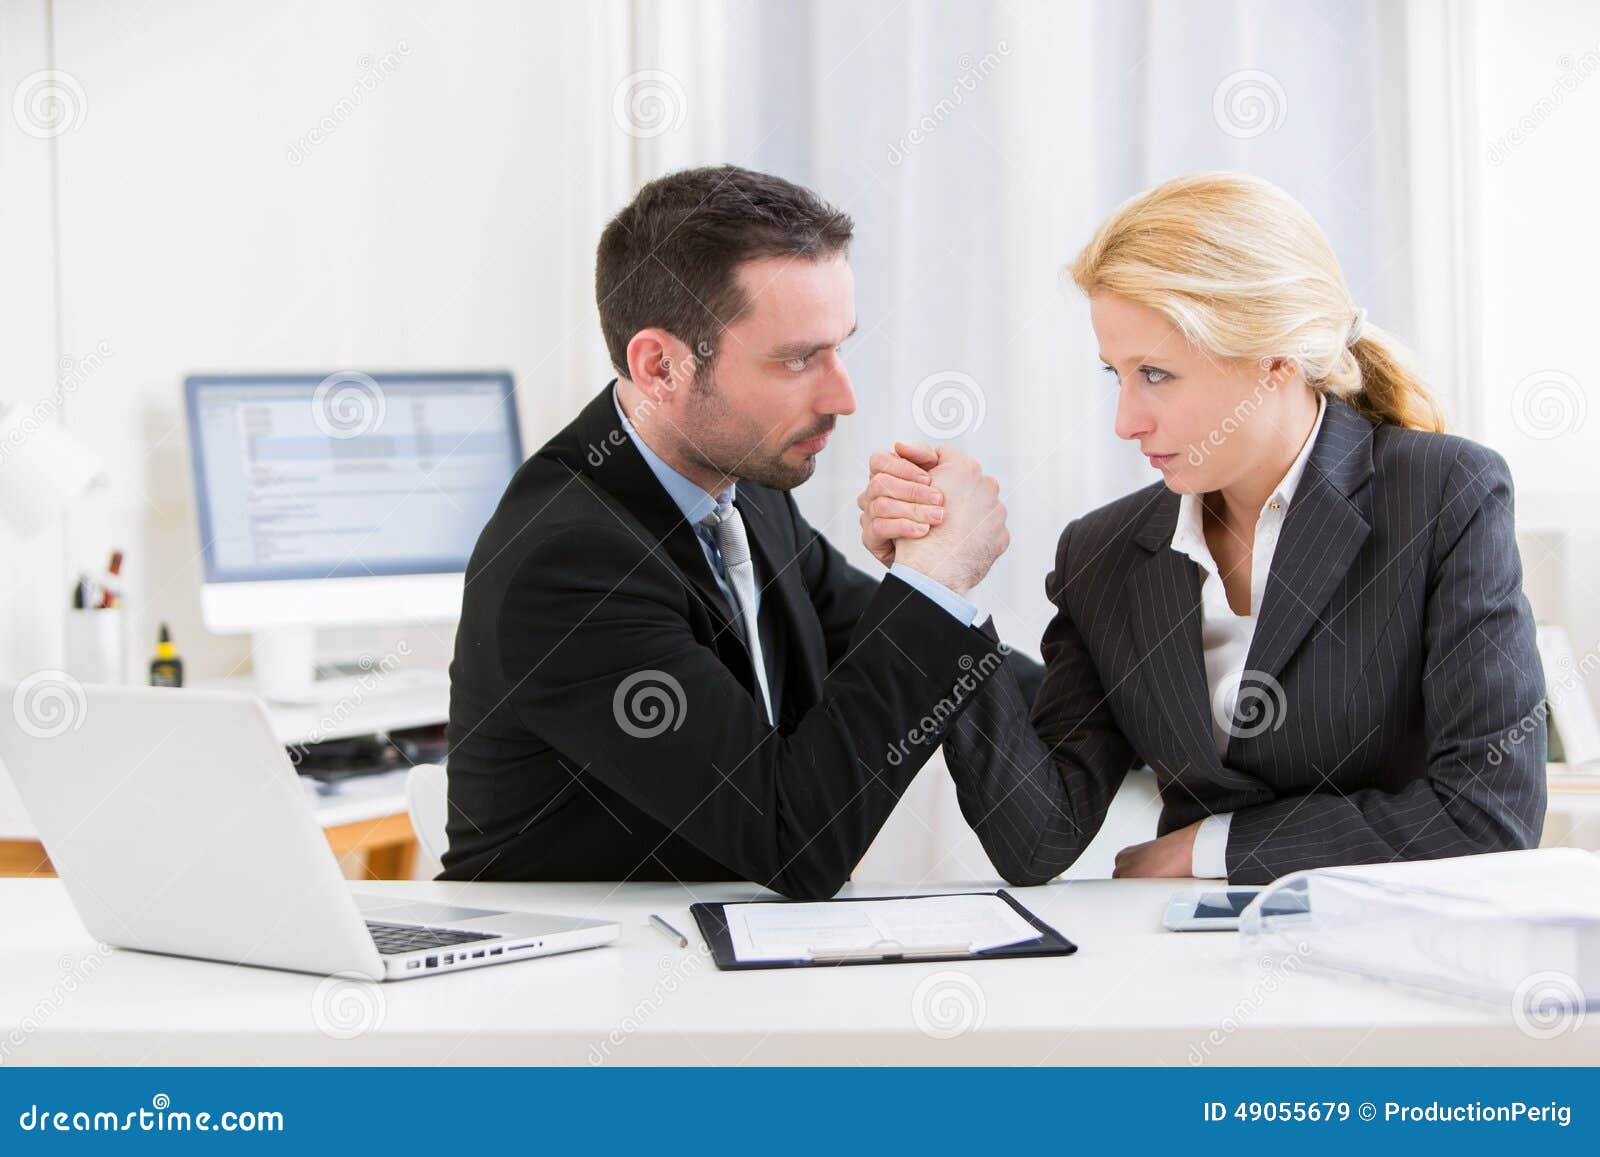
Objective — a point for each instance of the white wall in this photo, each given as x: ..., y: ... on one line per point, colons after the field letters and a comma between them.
x: 444, y: 217
x: 31, y: 592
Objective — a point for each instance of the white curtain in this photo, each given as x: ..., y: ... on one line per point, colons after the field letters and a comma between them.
x: 977, y: 145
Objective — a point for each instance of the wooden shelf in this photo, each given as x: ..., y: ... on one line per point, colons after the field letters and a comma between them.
x: 387, y: 843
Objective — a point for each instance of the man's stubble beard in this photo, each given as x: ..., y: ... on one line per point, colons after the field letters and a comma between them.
x: 720, y: 440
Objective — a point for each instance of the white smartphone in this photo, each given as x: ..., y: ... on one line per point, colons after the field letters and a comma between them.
x: 1219, y: 911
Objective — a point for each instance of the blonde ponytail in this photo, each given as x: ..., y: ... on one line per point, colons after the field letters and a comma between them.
x: 1243, y: 270
x: 1385, y: 388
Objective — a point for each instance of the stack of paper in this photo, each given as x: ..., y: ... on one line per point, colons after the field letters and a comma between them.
x: 1523, y: 925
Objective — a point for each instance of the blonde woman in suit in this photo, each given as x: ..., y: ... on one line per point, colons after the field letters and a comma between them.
x: 1312, y: 627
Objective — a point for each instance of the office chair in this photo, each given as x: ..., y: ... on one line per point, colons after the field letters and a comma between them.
x: 427, y: 805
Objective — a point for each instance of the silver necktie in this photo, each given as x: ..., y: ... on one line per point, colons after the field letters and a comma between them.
x: 727, y: 525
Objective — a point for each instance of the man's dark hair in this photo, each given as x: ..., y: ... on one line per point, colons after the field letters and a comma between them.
x: 670, y: 259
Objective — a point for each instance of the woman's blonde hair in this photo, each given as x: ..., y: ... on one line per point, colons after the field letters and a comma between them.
x: 1242, y: 270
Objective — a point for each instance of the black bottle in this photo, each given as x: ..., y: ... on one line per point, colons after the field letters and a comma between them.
x: 166, y: 669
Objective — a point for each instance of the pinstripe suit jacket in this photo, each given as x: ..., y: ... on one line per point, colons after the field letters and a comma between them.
x: 1391, y: 708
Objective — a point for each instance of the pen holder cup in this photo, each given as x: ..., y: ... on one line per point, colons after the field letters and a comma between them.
x: 96, y: 651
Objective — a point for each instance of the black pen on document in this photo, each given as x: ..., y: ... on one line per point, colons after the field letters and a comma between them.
x: 668, y: 930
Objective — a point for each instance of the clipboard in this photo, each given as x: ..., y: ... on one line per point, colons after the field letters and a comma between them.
x: 714, y: 928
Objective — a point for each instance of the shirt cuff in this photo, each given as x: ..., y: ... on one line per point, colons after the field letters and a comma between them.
x: 953, y: 603
x: 1210, y: 860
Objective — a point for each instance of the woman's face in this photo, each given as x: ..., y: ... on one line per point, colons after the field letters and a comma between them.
x: 1203, y: 422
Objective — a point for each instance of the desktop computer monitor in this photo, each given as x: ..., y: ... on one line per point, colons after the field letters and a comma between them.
x: 341, y: 499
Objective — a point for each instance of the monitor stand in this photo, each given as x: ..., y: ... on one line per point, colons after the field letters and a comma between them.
x: 286, y: 673
x: 284, y: 659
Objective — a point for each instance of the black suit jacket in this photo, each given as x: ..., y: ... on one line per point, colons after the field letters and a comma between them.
x: 604, y: 717
x: 1393, y: 673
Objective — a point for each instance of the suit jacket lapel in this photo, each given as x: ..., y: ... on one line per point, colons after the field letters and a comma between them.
x: 1164, y: 607
x: 783, y: 581
x: 1328, y: 521
x: 783, y: 597
x: 596, y: 447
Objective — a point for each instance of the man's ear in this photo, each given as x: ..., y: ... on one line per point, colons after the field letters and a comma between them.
x: 658, y: 364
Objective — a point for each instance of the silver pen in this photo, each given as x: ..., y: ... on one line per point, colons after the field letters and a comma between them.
x: 668, y: 930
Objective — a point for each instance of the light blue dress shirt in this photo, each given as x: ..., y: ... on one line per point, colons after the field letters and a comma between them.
x: 695, y: 504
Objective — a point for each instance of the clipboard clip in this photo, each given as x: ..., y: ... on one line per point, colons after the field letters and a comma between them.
x: 887, y: 949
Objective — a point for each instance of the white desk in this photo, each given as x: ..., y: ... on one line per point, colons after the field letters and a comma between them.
x: 1132, y: 995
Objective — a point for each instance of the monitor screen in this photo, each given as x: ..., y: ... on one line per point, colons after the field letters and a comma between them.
x: 341, y: 475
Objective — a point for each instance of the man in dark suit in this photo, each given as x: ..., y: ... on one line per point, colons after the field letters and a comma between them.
x: 661, y: 671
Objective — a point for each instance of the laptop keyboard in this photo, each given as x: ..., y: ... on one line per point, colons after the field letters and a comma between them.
x: 393, y: 939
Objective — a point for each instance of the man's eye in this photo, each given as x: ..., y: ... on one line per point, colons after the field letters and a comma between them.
x: 797, y: 365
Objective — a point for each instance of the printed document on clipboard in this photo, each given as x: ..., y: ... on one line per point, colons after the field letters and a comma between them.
x: 881, y: 930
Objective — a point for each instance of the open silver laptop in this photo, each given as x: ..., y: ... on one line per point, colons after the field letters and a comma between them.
x: 178, y: 825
